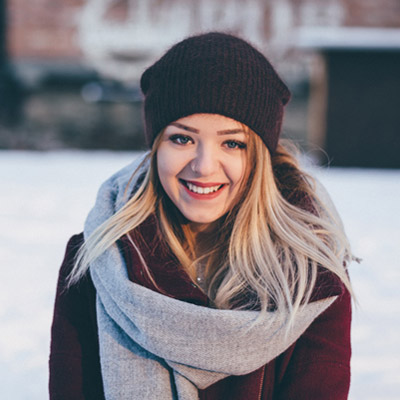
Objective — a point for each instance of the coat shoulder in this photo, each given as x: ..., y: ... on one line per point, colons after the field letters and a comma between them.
x: 74, y: 365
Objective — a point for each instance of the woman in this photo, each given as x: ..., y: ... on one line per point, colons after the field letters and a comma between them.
x: 212, y: 268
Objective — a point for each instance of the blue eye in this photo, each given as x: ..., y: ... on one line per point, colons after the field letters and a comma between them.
x: 233, y: 144
x: 180, y: 139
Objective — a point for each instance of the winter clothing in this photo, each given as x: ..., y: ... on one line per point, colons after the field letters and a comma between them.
x: 145, y: 336
x: 315, y: 366
x: 219, y: 74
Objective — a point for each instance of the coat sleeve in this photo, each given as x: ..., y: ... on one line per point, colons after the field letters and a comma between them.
x: 317, y: 366
x: 74, y: 364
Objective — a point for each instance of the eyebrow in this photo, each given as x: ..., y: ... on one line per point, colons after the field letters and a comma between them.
x: 230, y: 131
x: 194, y: 130
x: 185, y: 127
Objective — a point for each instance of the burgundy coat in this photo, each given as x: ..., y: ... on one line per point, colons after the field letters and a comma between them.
x: 315, y: 367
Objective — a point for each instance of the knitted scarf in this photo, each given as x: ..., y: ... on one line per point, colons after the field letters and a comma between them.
x: 155, y: 347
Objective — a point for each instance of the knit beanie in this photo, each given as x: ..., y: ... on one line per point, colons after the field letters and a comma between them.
x: 214, y: 73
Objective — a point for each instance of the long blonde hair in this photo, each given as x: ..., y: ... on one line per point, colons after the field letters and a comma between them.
x: 267, y: 250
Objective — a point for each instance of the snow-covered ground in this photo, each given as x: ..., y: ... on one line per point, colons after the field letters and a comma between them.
x: 44, y: 198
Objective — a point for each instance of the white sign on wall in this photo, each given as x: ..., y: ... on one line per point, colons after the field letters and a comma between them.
x: 122, y: 48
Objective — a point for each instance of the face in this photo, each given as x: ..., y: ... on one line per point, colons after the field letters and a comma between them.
x: 201, y: 163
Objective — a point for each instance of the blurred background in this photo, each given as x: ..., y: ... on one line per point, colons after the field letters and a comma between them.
x: 69, y: 69
x: 69, y: 85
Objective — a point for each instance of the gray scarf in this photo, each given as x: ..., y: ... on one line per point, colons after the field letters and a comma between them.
x: 155, y: 347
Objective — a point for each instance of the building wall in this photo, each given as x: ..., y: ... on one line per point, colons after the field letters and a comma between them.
x: 43, y: 29
x: 47, y: 28
x: 372, y: 13
x: 44, y: 47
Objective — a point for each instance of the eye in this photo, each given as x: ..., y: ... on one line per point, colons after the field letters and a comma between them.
x: 235, y: 144
x: 180, y: 139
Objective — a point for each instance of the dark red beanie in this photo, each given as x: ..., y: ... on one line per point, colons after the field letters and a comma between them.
x: 214, y: 73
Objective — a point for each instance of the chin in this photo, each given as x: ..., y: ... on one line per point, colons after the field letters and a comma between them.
x: 201, y: 219
x: 204, y: 220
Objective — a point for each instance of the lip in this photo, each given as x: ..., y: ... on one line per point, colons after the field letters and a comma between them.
x: 203, y: 184
x: 198, y: 196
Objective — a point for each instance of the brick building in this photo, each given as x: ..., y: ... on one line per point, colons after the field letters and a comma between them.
x: 57, y: 47
x: 43, y: 29
x: 47, y: 29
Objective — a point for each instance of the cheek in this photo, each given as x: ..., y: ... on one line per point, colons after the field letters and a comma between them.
x: 161, y: 165
x: 237, y: 171
x: 163, y: 168
x: 168, y: 167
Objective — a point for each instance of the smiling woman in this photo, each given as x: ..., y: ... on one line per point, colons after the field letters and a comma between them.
x: 212, y: 268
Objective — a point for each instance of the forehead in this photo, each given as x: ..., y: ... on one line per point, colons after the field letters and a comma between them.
x: 206, y: 122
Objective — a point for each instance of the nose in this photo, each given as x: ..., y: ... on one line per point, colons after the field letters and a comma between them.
x: 205, y: 162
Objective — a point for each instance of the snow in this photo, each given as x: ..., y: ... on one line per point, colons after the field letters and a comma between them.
x: 45, y: 197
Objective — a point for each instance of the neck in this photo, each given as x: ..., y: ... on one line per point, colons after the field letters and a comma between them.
x: 203, y: 229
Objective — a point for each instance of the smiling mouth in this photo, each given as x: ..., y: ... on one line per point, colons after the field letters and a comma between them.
x: 201, y: 189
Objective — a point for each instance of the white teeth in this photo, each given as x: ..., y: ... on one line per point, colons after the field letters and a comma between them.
x: 202, y: 190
